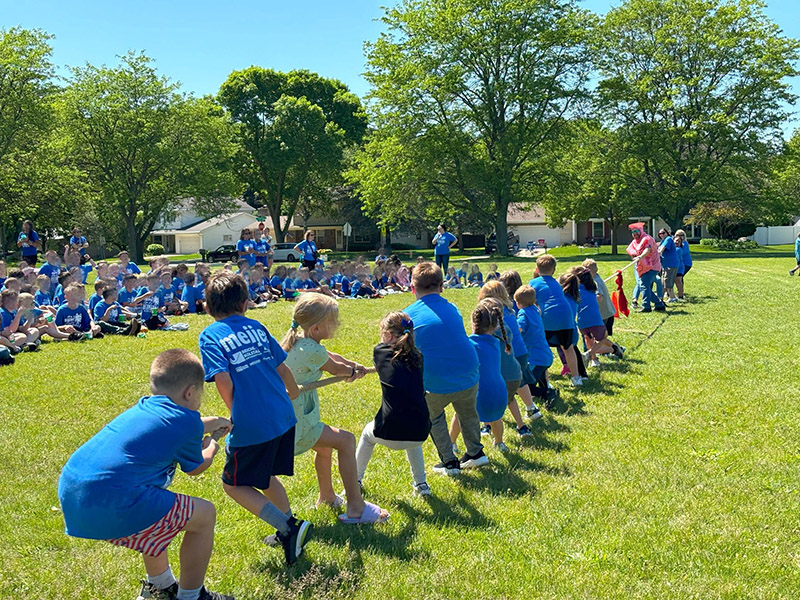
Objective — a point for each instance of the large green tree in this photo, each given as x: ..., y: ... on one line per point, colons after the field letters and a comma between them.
x: 293, y: 130
x: 696, y: 89
x: 145, y: 148
x: 469, y: 98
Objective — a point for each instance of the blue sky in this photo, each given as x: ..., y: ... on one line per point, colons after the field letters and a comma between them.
x: 199, y: 43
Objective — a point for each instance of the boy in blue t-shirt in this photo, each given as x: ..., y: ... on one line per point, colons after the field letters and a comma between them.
x: 170, y: 294
x: 540, y: 357
x: 73, y: 318
x: 111, y: 317
x: 191, y: 296
x: 125, y: 264
x: 557, y: 316
x: 52, y: 269
x: 42, y: 296
x: 114, y: 487
x: 64, y: 280
x: 152, y: 303
x: 99, y: 286
x: 129, y: 294
x: 247, y: 365
x: 15, y: 332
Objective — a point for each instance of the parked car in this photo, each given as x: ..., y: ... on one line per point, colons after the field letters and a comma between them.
x: 223, y: 253
x: 285, y: 252
x: 491, y: 242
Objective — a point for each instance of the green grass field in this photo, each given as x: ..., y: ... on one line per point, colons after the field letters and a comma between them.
x: 670, y: 475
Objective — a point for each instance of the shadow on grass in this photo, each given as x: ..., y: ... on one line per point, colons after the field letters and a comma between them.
x: 517, y: 462
x: 539, y: 439
x: 499, y: 479
x: 460, y: 514
x: 569, y: 403
x: 305, y: 580
x: 370, y: 537
x: 626, y: 365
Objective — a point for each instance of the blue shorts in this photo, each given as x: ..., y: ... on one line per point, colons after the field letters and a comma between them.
x: 254, y: 466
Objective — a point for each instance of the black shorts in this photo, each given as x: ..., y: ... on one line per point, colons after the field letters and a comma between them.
x: 559, y: 337
x: 609, y: 323
x: 527, y: 375
x: 254, y: 466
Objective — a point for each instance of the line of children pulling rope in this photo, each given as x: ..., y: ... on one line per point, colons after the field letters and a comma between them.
x: 114, y: 487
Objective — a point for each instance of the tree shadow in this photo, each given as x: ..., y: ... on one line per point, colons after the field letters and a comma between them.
x: 570, y: 406
x: 318, y: 580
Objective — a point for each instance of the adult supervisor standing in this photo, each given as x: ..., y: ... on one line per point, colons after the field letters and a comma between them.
x: 28, y: 243
x: 644, y: 250
x: 450, y: 372
x: 309, y: 249
x: 443, y: 241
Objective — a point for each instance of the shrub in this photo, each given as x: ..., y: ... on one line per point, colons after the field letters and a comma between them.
x: 728, y: 245
x: 154, y: 250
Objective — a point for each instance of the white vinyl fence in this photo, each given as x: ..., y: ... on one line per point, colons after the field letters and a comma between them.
x: 773, y: 236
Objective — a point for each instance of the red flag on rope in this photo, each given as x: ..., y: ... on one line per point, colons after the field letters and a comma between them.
x: 619, y: 299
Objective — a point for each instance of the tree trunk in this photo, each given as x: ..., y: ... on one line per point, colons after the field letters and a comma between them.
x: 387, y: 241
x: 613, y: 228
x: 501, y: 229
x: 134, y: 248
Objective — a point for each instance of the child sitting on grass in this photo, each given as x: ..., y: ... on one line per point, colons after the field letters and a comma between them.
x: 452, y: 280
x: 111, y: 316
x: 170, y: 294
x: 475, y: 276
x: 42, y: 296
x: 152, y: 303
x: 73, y: 317
x: 247, y: 366
x: 191, y: 296
x: 492, y: 274
x: 16, y: 333
x: 318, y: 318
x: 403, y: 421
x: 462, y: 273
x: 37, y: 318
x: 114, y: 487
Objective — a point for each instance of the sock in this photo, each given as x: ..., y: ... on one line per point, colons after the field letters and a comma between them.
x: 275, y: 517
x: 289, y: 513
x: 184, y: 594
x: 162, y: 581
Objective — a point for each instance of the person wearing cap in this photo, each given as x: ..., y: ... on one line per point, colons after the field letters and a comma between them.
x: 644, y: 251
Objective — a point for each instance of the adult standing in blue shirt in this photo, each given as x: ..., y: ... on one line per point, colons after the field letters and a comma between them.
x: 686, y: 258
x: 77, y: 242
x: 442, y: 242
x: 451, y: 369
x: 670, y: 261
x: 309, y: 249
x: 246, y: 247
x: 263, y: 249
x: 28, y: 242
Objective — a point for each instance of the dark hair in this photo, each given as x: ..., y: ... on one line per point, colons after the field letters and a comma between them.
x: 487, y: 317
x: 63, y: 277
x: 569, y: 283
x: 128, y: 277
x: 245, y: 230
x: 512, y: 281
x: 427, y: 276
x: 188, y: 278
x: 400, y: 325
x: 585, y: 277
x: 443, y: 226
x: 226, y: 294
x: 108, y: 291
x: 174, y: 370
x: 16, y: 274
x: 29, y: 223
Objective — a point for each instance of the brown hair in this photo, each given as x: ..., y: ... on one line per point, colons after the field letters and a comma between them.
x: 585, y: 277
x: 495, y: 289
x: 569, y: 283
x: 525, y: 296
x: 400, y: 325
x: 245, y: 230
x: 546, y: 264
x: 174, y: 370
x: 226, y: 294
x: 308, y: 233
x: 427, y: 277
x: 487, y: 317
x: 309, y: 310
x: 511, y: 280
x: 6, y: 294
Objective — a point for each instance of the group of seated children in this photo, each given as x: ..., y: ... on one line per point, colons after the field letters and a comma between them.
x: 468, y: 276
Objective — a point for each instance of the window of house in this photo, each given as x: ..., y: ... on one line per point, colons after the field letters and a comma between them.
x: 598, y: 231
x: 227, y: 238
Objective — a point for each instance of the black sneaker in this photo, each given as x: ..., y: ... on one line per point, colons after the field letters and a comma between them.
x: 552, y: 395
x: 473, y: 462
x: 99, y: 336
x: 75, y: 337
x: 524, y: 431
x: 206, y: 595
x: 619, y: 351
x: 486, y: 430
x: 151, y: 592
x: 661, y: 308
x: 645, y: 310
x: 295, y: 541
x: 452, y: 467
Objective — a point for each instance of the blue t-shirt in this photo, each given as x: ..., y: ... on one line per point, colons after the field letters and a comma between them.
x: 130, y: 268
x: 115, y: 485
x: 52, y: 271
x: 6, y: 316
x: 78, y: 240
x: 345, y: 289
x: 276, y: 281
x: 261, y: 246
x: 28, y: 249
x: 509, y: 365
x: 78, y: 317
x: 669, y: 254
x: 462, y: 275
x: 191, y: 295
x: 100, y: 310
x: 84, y: 270
x: 245, y: 350
x: 687, y: 255
x: 473, y: 277
x: 41, y: 298
x: 288, y: 287
x: 517, y: 343
x: 150, y: 303
x: 307, y: 248
x: 589, y: 309
x: 177, y: 284
x: 451, y: 363
x: 168, y: 294
x: 244, y: 246
x: 443, y: 242
x: 93, y: 300
x: 125, y: 297
x: 58, y: 296
x: 556, y: 313
x: 532, y: 328
x: 492, y: 398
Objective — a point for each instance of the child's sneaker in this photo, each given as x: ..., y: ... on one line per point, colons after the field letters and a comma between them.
x: 473, y: 462
x: 485, y: 430
x: 524, y: 431
x: 421, y: 489
x: 587, y: 356
x: 450, y: 468
x: 619, y: 351
x: 533, y: 412
x: 151, y: 592
x: 552, y: 395
x: 501, y: 447
x: 295, y: 541
x: 5, y: 356
x: 564, y: 370
x: 576, y: 380
x: 594, y: 363
x: 207, y: 595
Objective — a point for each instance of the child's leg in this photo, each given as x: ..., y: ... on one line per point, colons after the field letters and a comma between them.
x: 455, y: 428
x: 32, y: 335
x: 578, y: 361
x: 323, y: 465
x: 366, y: 445
x: 197, y: 544
x: 258, y: 503
x: 513, y: 407
x: 416, y: 459
x: 679, y: 285
x: 497, y: 430
x: 571, y: 356
x: 525, y: 393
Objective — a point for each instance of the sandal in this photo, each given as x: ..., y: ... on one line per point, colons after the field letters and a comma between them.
x: 370, y: 516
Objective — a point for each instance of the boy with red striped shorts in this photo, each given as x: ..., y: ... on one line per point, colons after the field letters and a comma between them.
x: 114, y: 487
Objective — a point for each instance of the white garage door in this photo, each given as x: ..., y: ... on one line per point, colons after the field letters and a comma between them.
x: 534, y: 233
x: 187, y: 244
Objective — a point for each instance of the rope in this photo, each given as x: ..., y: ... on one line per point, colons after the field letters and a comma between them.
x: 630, y: 264
x: 323, y: 382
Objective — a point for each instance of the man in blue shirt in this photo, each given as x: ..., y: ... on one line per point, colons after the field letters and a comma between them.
x: 247, y: 365
x: 451, y: 369
x: 670, y: 261
x: 114, y: 487
x: 443, y: 241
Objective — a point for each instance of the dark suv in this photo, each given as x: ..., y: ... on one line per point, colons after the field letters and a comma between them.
x: 223, y: 253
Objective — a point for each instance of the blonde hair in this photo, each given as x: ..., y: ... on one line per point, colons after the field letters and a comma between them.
x: 310, y: 310
x: 487, y: 317
x: 525, y: 296
x: 495, y: 289
x: 25, y: 300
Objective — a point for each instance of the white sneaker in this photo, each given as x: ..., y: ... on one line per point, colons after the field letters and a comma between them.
x: 586, y: 356
x: 594, y: 363
x: 472, y: 462
x: 421, y: 489
x: 576, y: 380
x: 501, y: 447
